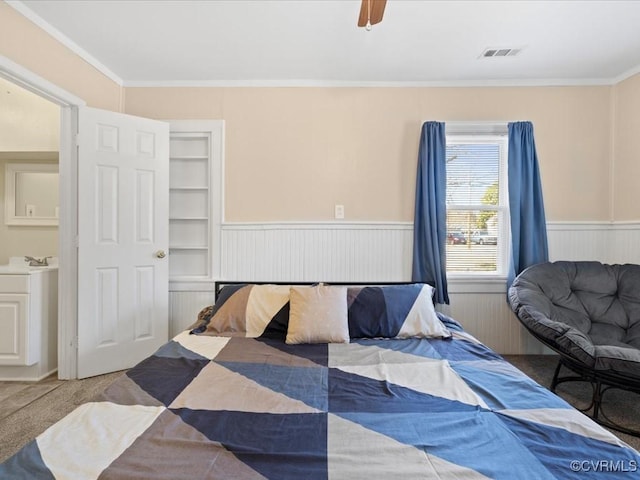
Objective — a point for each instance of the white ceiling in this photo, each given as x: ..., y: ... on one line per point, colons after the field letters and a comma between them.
x: 317, y: 42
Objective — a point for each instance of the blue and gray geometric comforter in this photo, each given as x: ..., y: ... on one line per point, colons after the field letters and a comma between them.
x: 249, y: 408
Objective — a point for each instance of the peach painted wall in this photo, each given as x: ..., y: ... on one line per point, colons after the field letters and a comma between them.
x: 27, y: 121
x: 292, y: 153
x: 29, y: 132
x: 31, y: 47
x: 626, y: 166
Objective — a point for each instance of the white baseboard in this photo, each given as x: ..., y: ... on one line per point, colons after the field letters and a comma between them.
x: 14, y: 374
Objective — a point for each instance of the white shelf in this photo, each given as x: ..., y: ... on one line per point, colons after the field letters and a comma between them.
x: 189, y: 263
x: 188, y: 172
x: 185, y: 145
x: 189, y: 206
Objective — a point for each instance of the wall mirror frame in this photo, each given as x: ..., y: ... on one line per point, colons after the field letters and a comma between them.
x: 41, y: 211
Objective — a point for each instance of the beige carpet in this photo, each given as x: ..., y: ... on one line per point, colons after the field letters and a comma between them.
x: 20, y: 427
x: 16, y: 395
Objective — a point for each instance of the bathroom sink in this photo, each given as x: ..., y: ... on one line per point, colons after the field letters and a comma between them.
x: 21, y: 269
x: 17, y: 265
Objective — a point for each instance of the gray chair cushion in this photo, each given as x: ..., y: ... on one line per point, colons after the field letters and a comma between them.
x: 587, y: 310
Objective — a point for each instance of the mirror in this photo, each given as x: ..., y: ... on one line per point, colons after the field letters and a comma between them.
x: 31, y: 194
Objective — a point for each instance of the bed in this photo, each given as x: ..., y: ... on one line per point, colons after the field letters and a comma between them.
x: 381, y: 387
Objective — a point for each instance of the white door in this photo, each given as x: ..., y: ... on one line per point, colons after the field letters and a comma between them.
x: 123, y: 191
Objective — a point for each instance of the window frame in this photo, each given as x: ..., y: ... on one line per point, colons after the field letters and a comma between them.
x: 486, y: 132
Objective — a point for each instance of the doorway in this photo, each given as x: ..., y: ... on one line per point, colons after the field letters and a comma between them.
x: 67, y: 228
x: 29, y: 142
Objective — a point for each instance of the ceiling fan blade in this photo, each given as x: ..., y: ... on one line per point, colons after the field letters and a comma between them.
x: 374, y: 15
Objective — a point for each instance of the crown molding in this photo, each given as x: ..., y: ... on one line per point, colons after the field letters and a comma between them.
x: 63, y: 39
x: 628, y: 74
x: 516, y: 83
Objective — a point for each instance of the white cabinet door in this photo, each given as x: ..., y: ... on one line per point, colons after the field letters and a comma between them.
x: 123, y: 171
x: 14, y: 315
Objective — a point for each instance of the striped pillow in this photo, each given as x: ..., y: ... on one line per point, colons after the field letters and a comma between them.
x: 394, y: 311
x: 247, y: 311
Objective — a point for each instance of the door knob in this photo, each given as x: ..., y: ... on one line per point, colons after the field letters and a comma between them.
x: 161, y: 254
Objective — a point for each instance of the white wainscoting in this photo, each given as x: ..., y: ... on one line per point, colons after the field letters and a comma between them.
x: 184, y: 307
x: 317, y: 252
x: 607, y: 242
x: 341, y: 251
x: 488, y: 317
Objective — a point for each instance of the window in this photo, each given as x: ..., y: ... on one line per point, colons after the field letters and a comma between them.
x: 477, y: 200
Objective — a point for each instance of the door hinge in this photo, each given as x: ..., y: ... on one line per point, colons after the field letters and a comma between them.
x: 77, y: 139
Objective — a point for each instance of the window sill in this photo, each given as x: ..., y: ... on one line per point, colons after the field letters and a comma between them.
x: 477, y: 284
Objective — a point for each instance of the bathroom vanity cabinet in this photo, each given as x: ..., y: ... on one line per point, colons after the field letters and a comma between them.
x: 28, y: 322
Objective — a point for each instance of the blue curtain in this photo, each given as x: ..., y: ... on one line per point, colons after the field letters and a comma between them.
x: 528, y: 224
x: 429, y: 225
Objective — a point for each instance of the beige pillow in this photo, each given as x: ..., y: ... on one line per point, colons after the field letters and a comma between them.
x: 318, y: 315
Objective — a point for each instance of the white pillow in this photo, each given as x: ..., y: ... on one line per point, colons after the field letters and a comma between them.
x: 318, y: 314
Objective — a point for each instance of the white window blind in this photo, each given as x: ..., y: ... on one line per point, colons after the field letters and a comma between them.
x: 477, y: 208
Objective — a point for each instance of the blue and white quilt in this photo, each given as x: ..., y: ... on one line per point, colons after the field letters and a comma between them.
x: 211, y: 407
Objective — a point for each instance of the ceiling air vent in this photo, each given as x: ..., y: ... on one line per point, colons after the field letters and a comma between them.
x: 500, y: 52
